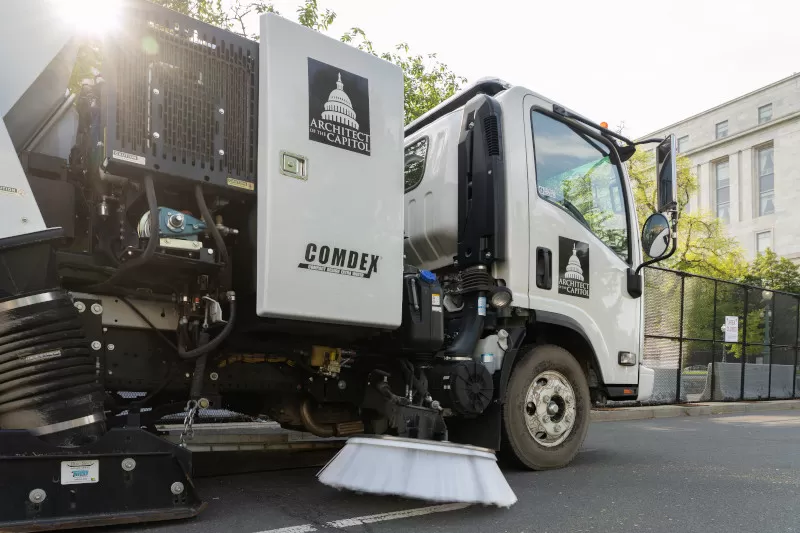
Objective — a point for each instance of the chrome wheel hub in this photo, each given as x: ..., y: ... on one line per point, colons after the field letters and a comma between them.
x: 550, y: 408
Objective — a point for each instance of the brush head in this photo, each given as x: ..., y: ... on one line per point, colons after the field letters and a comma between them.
x: 422, y: 469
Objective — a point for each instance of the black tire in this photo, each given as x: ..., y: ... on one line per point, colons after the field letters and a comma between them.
x: 518, y: 443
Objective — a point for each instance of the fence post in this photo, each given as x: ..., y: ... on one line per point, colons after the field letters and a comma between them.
x: 680, y: 343
x: 771, y: 324
x: 714, y: 340
x: 796, y: 348
x: 744, y: 341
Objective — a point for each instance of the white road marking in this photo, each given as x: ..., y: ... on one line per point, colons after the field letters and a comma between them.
x: 305, y: 528
x: 371, y: 519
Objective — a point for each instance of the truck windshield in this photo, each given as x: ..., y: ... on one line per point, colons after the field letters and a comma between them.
x: 576, y: 172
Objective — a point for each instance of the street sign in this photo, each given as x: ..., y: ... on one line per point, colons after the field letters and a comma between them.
x: 731, y: 329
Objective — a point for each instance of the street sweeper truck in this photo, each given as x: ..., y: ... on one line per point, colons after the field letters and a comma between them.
x: 215, y: 222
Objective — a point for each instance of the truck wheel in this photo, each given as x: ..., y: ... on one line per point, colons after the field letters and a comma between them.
x: 546, y: 414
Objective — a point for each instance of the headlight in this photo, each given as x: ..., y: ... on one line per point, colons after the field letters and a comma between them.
x: 500, y: 297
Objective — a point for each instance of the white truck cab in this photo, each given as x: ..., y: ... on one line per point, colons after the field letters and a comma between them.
x: 571, y: 231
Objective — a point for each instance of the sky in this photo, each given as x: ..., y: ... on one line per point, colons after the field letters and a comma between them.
x: 642, y: 63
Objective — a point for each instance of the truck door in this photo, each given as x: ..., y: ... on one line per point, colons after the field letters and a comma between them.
x: 582, y: 221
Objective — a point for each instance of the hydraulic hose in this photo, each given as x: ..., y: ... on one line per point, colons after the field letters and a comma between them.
x: 152, y: 242
x: 212, y: 227
x: 216, y: 341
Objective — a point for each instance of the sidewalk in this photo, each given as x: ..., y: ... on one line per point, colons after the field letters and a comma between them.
x: 616, y: 414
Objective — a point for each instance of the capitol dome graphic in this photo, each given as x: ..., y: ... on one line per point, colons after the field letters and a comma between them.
x: 574, y: 269
x: 339, y: 108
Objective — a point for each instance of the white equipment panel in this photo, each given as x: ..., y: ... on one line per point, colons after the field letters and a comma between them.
x: 330, y: 180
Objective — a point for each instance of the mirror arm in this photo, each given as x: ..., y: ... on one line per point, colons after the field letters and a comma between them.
x: 671, y: 252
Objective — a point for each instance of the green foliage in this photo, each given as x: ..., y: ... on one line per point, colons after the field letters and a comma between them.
x: 703, y: 245
x: 773, y: 272
x: 427, y: 81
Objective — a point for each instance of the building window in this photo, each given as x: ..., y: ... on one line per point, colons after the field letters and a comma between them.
x: 580, y: 175
x: 766, y: 181
x: 722, y: 129
x: 416, y: 153
x: 763, y: 241
x: 723, y: 187
x: 682, y: 142
x: 764, y: 113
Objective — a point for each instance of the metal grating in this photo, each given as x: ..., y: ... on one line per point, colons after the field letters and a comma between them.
x: 181, y: 99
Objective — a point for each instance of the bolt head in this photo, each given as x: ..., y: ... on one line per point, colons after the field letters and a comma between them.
x: 97, y: 309
x: 96, y: 345
x: 557, y: 428
x: 24, y: 220
x: 128, y: 464
x: 221, y: 111
x: 80, y: 306
x: 156, y: 92
x: 110, y: 347
x: 214, y: 376
x: 221, y: 152
x: 568, y: 419
x: 210, y: 251
x: 188, y: 375
x: 37, y: 496
x: 546, y: 399
x: 203, y: 403
x: 176, y: 488
x: 156, y: 135
x: 342, y: 384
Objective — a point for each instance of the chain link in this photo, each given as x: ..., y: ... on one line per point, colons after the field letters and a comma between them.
x: 188, y: 421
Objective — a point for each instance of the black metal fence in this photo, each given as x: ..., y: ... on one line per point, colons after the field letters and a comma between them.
x: 685, y: 340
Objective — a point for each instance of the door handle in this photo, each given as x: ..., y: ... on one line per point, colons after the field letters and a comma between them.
x: 544, y: 268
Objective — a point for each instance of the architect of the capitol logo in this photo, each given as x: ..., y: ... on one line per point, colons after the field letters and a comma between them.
x: 574, y: 270
x: 338, y: 117
x: 573, y: 263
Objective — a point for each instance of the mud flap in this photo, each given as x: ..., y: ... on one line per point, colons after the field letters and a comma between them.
x: 127, y: 476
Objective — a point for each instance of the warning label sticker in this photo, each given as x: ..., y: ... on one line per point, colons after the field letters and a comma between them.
x: 80, y: 472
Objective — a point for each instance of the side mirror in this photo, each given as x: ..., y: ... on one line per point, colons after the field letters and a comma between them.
x: 667, y: 174
x: 656, y: 236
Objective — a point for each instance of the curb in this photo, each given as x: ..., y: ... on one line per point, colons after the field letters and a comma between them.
x: 690, y: 409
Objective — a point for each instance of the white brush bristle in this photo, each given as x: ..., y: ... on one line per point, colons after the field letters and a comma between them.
x: 426, y: 470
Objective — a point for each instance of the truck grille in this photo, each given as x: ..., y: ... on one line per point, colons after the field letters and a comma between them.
x: 182, y: 99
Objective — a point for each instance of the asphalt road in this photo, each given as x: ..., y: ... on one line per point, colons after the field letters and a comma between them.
x: 735, y: 473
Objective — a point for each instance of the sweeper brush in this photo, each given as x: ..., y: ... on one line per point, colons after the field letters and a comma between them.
x: 422, y: 469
